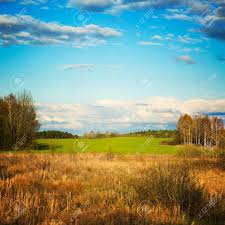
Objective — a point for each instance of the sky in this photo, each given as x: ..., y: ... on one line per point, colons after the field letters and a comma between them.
x: 114, y: 65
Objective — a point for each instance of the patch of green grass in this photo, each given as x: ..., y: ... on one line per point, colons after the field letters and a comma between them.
x: 114, y: 145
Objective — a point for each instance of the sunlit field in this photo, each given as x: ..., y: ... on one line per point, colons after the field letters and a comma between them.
x: 108, y: 189
x: 112, y: 112
x: 116, y: 145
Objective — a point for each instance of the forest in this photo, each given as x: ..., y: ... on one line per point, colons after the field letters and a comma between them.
x: 200, y: 130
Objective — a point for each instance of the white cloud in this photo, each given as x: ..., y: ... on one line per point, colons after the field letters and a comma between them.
x: 154, y: 27
x: 88, y: 67
x: 178, y: 17
x: 188, y: 40
x: 157, y: 37
x: 167, y: 37
x: 37, y: 32
x: 115, y: 6
x: 108, y: 114
x: 191, y: 50
x: 94, y: 5
x: 186, y: 58
x: 150, y: 43
x: 170, y: 35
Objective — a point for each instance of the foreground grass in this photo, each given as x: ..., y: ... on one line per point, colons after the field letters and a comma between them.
x: 109, y: 189
x: 114, y: 145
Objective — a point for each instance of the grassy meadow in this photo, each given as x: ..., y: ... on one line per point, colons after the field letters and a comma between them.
x: 147, y: 183
x: 110, y: 189
x: 122, y: 145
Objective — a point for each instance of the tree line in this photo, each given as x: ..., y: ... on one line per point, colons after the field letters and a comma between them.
x: 154, y: 133
x: 19, y: 125
x: 55, y: 135
x: 18, y: 121
x: 200, y: 130
x: 93, y: 135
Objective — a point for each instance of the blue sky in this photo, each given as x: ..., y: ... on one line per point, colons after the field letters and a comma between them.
x: 114, y: 64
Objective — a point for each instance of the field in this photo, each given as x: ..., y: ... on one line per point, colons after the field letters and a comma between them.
x: 110, y: 189
x: 115, y: 145
x: 102, y: 187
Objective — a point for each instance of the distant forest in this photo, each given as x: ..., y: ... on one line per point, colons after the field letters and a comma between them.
x: 92, y: 135
x: 200, y: 130
x: 155, y: 133
x: 19, y: 125
x: 55, y: 135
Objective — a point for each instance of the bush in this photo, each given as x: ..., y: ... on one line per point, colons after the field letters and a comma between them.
x: 171, y: 185
x: 222, y: 143
x: 173, y: 142
x: 195, y: 151
x: 221, y: 158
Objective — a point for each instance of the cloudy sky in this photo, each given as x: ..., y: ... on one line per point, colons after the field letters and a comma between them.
x: 120, y: 65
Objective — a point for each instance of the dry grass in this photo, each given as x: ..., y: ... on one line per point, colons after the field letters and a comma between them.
x: 109, y: 189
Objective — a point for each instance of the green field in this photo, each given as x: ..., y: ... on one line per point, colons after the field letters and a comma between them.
x: 115, y: 145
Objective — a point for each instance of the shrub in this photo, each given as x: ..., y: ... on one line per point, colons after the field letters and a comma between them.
x: 222, y: 142
x: 171, y: 185
x: 221, y: 158
x: 173, y: 142
x: 195, y: 151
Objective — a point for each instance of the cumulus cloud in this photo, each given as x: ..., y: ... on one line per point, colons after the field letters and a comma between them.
x: 115, y: 6
x: 150, y: 43
x: 188, y: 40
x: 176, y: 16
x: 122, y: 5
x: 108, y: 114
x: 157, y: 37
x: 186, y: 58
x: 205, y: 13
x: 191, y: 50
x: 92, y: 5
x: 215, y: 27
x: 30, y: 2
x: 24, y: 29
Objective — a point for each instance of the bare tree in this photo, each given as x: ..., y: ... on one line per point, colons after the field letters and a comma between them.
x: 201, y: 130
x: 18, y: 119
x: 184, y: 127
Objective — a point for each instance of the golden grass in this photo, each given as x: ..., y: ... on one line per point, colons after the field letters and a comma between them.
x: 102, y: 189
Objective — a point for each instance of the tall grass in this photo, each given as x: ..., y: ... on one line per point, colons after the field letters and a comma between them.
x: 100, y: 189
x: 171, y: 185
x: 221, y: 158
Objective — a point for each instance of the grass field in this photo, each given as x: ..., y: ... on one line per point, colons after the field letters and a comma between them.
x: 114, y: 145
x: 110, y: 189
